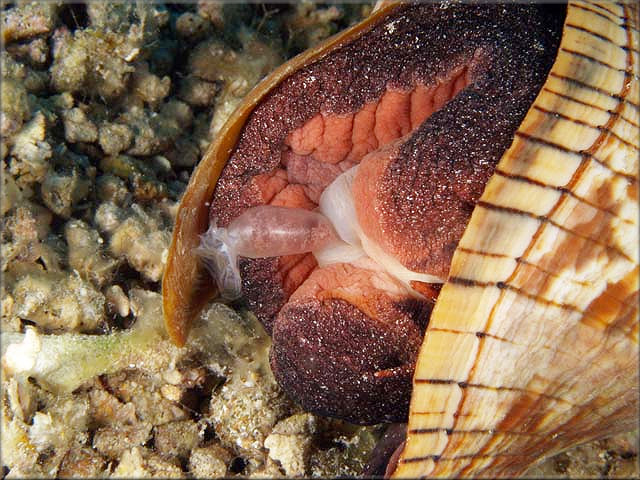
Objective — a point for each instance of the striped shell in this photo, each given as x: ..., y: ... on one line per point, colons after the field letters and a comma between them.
x: 533, y: 344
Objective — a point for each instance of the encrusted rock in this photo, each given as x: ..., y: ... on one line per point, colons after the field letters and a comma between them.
x: 343, y: 449
x: 17, y: 449
x: 62, y: 424
x: 9, y: 322
x: 213, y: 11
x: 113, y: 441
x: 198, y: 92
x: 117, y: 301
x: 58, y: 301
x: 54, y: 106
x: 34, y: 81
x: 142, y: 462
x: 185, y: 153
x: 29, y: 224
x: 106, y: 409
x: 210, y: 461
x: 178, y: 112
x: 86, y: 254
x: 26, y: 238
x: 143, y: 392
x: 110, y: 188
x: 191, y: 25
x: 27, y: 20
x: 11, y: 69
x: 246, y: 408
x: 202, y: 134
x: 35, y: 52
x: 61, y: 191
x: 78, y: 127
x: 122, y: 16
x: 22, y: 398
x: 143, y: 241
x: 108, y: 216
x: 615, y: 457
x: 93, y: 62
x: 82, y: 463
x: 114, y: 137
x: 238, y: 72
x: 113, y: 16
x: 177, y: 438
x: 149, y: 87
x: 289, y: 443
x: 15, y: 107
x: 30, y: 151
x: 309, y: 24
x: 140, y: 175
x: 146, y: 136
x: 270, y: 469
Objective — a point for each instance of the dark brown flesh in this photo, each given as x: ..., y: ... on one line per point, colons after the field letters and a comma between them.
x: 330, y: 353
x: 381, y: 460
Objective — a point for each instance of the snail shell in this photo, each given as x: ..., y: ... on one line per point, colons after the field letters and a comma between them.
x: 533, y: 344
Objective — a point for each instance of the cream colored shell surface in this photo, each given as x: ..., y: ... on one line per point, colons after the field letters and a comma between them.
x: 533, y: 344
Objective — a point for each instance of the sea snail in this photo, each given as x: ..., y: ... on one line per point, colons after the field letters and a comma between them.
x: 492, y: 147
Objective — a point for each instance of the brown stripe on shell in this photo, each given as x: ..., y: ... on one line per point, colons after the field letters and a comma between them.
x: 586, y: 155
x: 601, y: 7
x: 465, y: 385
x: 564, y: 190
x: 546, y: 219
x: 576, y: 100
x: 469, y: 282
x: 521, y: 260
x: 455, y: 458
x: 593, y: 8
x: 594, y: 88
x: 477, y: 431
x: 578, y: 121
x: 597, y: 60
x: 477, y: 334
x: 591, y: 315
x: 597, y: 35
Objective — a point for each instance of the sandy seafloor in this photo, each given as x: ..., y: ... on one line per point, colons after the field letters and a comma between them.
x: 106, y: 108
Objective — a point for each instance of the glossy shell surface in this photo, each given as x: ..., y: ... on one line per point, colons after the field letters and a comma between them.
x: 533, y: 344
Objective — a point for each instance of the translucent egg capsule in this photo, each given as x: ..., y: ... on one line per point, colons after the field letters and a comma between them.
x: 260, y: 232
